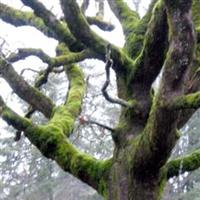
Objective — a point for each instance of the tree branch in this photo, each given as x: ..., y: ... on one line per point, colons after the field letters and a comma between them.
x: 30, y: 94
x: 76, y: 21
x: 52, y: 143
x: 152, y: 55
x: 136, y: 37
x: 105, y: 26
x: 21, y: 18
x: 50, y: 20
x: 183, y: 164
x: 190, y: 101
x: 109, y: 63
x: 125, y: 15
x: 26, y: 52
x: 58, y: 61
x: 84, y: 120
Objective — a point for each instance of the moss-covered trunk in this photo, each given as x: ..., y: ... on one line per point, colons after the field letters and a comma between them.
x: 127, y: 184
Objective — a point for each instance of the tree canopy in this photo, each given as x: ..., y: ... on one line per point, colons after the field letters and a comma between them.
x: 165, y: 43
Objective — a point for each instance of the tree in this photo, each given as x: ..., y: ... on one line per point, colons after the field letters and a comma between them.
x: 165, y: 41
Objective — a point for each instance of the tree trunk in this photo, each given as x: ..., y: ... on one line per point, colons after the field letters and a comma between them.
x: 127, y: 183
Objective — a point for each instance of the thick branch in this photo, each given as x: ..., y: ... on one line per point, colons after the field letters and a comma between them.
x: 125, y: 15
x: 151, y: 58
x: 72, y: 107
x: 76, y: 21
x: 135, y: 39
x: 73, y: 73
x: 106, y: 26
x: 50, y: 20
x: 183, y: 164
x: 21, y: 18
x: 52, y: 143
x: 58, y: 61
x: 25, y: 52
x: 190, y: 101
x: 24, y: 90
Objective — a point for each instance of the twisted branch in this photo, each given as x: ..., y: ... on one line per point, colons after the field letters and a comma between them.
x: 109, y: 64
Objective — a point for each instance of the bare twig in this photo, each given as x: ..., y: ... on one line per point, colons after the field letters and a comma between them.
x: 29, y: 69
x: 109, y: 64
x: 99, y: 124
x: 84, y: 120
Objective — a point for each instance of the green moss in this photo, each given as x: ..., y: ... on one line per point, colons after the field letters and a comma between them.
x: 53, y: 144
x: 62, y: 49
x: 127, y: 17
x: 162, y: 183
x: 13, y: 119
x: 135, y: 40
x: 64, y: 116
x: 19, y: 18
x: 63, y: 119
x: 193, y: 100
x: 195, y: 12
x: 77, y: 89
x: 133, y: 44
x: 86, y: 167
x: 187, y: 101
x: 189, y: 162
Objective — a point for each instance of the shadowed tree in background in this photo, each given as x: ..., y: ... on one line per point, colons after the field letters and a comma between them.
x: 165, y: 40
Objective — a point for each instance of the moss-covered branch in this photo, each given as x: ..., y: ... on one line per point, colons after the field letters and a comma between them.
x: 52, y: 143
x: 23, y: 53
x: 12, y: 118
x: 76, y: 21
x: 106, y: 26
x: 68, y: 58
x: 190, y: 101
x: 45, y: 22
x: 195, y: 12
x: 21, y: 18
x: 28, y: 93
x: 50, y: 20
x: 125, y: 15
x: 151, y: 58
x: 66, y: 115
x: 183, y: 164
x: 135, y: 39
